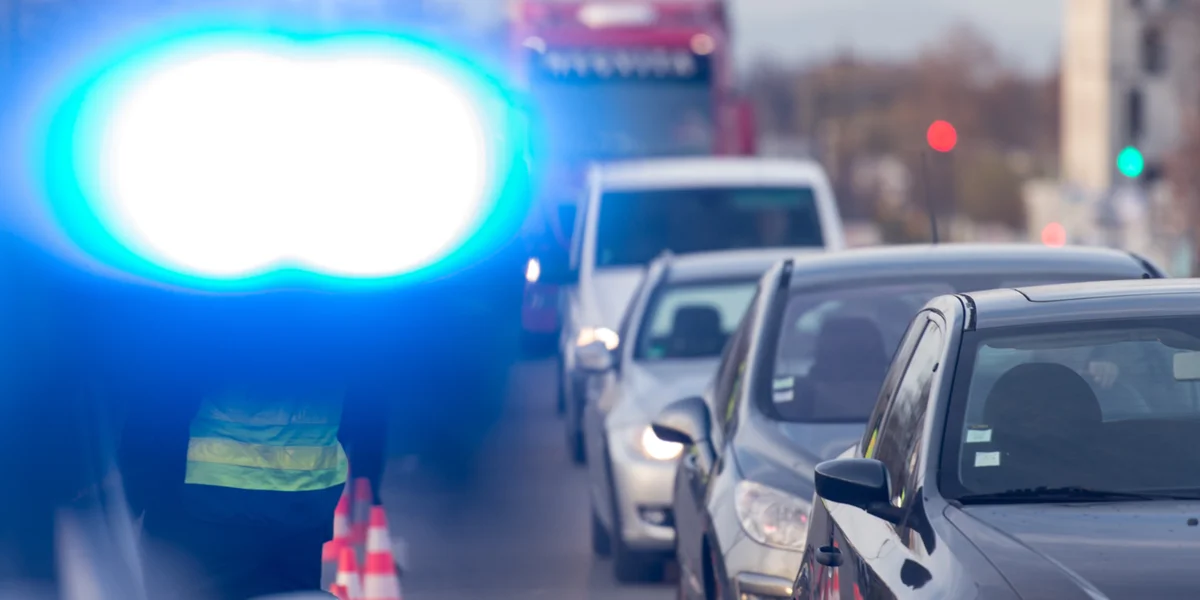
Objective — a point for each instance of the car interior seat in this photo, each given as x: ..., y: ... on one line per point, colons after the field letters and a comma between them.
x: 695, y: 332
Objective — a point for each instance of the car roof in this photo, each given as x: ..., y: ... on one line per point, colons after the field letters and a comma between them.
x: 1099, y: 300
x: 961, y: 260
x: 726, y: 264
x: 709, y: 172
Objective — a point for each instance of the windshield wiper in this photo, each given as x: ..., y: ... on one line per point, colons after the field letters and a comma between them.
x: 1071, y: 494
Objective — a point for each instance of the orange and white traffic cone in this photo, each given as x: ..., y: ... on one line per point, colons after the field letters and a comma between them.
x: 348, y: 577
x: 331, y: 552
x: 380, y: 579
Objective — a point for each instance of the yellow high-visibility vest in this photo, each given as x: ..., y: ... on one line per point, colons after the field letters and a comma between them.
x: 267, y: 440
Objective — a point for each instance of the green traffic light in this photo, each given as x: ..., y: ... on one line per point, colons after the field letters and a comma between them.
x: 1130, y: 162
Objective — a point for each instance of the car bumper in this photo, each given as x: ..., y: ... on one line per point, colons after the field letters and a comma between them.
x: 643, y: 490
x: 758, y: 572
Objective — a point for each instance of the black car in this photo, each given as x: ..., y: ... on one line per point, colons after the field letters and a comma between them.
x: 1029, y: 443
x: 796, y: 385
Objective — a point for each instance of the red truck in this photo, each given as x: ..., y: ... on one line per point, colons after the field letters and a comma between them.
x: 609, y: 81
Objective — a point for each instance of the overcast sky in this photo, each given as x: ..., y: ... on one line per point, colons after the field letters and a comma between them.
x: 1026, y: 31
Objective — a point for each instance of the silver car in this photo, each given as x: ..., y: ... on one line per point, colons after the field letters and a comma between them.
x: 671, y: 337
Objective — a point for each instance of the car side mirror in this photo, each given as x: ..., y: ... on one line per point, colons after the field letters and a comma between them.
x: 594, y: 358
x: 859, y: 482
x: 684, y: 421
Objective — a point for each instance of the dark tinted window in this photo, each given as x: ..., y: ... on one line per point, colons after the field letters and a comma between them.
x: 835, y: 347
x: 692, y: 320
x: 1110, y: 405
x: 635, y: 227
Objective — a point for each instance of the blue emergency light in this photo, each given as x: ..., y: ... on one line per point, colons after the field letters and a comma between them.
x: 228, y: 156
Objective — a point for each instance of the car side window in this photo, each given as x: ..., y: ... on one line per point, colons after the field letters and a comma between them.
x: 899, y: 363
x: 625, y: 331
x: 898, y: 444
x: 732, y: 371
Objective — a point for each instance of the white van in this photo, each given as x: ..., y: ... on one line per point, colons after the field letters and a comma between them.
x: 634, y: 211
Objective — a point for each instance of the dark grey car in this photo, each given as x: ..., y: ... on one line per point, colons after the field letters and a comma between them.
x: 1030, y: 443
x: 796, y: 385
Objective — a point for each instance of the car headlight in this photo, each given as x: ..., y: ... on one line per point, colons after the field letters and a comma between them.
x: 772, y: 517
x: 657, y: 448
x: 533, y: 270
x: 604, y: 335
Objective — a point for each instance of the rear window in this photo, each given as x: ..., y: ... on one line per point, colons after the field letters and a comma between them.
x: 636, y: 226
x: 692, y: 320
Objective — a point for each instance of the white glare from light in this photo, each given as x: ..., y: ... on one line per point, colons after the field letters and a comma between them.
x: 703, y: 44
x: 658, y: 448
x: 533, y: 270
x: 604, y: 335
x: 233, y: 162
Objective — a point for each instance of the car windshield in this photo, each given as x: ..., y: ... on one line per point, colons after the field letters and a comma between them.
x: 1100, y: 405
x: 596, y: 106
x: 692, y: 320
x: 835, y: 345
x: 617, y: 120
x: 636, y: 226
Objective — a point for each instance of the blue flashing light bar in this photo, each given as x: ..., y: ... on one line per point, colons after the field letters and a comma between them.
x: 233, y: 158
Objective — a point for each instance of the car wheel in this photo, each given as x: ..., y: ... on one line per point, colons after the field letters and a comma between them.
x: 601, y: 540
x: 575, y: 447
x: 630, y: 566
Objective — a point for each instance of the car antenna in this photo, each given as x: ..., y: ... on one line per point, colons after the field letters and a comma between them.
x: 941, y: 137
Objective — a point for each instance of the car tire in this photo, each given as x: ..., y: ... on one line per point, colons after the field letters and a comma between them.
x: 601, y: 540
x: 630, y: 566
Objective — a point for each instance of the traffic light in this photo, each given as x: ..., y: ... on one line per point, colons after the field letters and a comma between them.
x: 1130, y: 162
x: 941, y: 136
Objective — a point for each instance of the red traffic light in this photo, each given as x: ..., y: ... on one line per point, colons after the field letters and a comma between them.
x: 1054, y: 235
x: 942, y: 136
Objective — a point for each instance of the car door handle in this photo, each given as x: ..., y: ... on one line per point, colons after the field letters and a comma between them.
x: 829, y: 556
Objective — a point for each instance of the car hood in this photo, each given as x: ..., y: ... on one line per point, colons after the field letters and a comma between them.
x: 608, y: 294
x: 1089, y: 550
x: 647, y: 388
x: 822, y: 441
x: 784, y: 454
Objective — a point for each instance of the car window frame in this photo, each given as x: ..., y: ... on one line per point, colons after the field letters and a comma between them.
x: 891, y: 381
x: 906, y: 468
x: 734, y: 364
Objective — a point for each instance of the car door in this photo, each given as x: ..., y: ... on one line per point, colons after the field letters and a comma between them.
x: 879, y: 557
x: 696, y: 464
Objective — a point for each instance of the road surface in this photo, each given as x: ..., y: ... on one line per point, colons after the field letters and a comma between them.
x: 522, y: 532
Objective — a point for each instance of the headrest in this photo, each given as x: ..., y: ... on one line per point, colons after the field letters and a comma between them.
x: 696, y: 331
x: 1041, y: 397
x: 848, y: 349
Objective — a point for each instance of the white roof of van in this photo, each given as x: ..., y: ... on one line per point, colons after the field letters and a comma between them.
x: 709, y: 172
